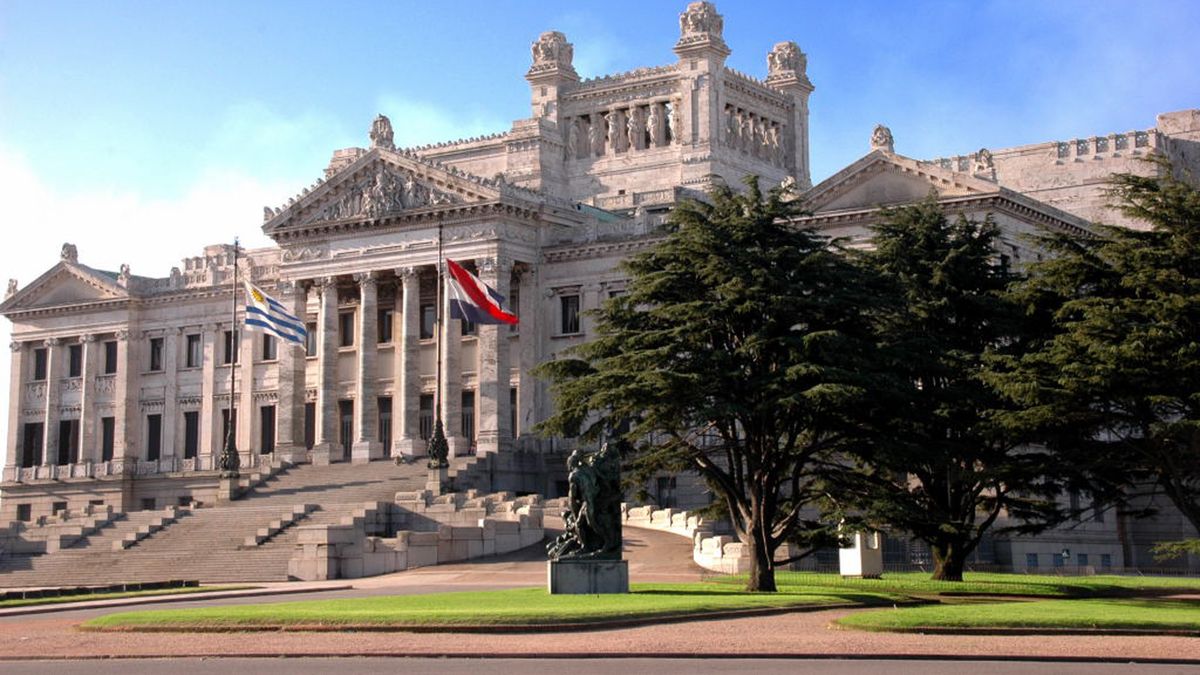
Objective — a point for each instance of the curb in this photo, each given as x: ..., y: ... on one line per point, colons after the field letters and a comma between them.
x: 156, y: 599
x: 1000, y: 631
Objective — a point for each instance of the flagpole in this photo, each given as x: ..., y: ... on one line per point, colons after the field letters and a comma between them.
x: 230, y: 462
x: 439, y: 448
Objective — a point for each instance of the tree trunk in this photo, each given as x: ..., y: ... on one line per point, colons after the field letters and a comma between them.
x: 949, y: 558
x: 762, y: 566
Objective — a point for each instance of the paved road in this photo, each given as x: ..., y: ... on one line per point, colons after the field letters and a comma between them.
x: 370, y: 666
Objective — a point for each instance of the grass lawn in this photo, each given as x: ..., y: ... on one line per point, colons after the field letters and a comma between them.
x: 525, y: 606
x: 1108, y: 613
x: 87, y: 597
x: 980, y: 583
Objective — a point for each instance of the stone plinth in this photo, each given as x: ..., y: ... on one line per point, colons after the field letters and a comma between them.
x: 227, y: 489
x: 437, y: 480
x: 587, y: 577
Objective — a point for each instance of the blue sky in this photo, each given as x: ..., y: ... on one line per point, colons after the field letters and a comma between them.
x: 142, y: 131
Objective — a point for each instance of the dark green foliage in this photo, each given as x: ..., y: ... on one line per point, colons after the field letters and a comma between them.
x: 736, y: 353
x: 1113, y: 384
x: 940, y: 466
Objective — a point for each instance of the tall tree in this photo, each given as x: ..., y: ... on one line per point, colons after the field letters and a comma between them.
x: 1114, y: 384
x: 733, y: 354
x: 939, y: 466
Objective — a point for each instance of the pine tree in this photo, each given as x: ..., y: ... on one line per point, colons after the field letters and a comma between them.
x: 1113, y: 385
x: 735, y: 354
x: 939, y: 466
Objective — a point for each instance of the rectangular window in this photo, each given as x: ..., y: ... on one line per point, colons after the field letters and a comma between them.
x: 310, y: 339
x: 24, y: 512
x: 110, y: 357
x: 1106, y: 561
x: 1031, y: 560
x: 569, y: 314
x: 57, y: 507
x: 108, y: 435
x: 468, y: 415
x: 74, y: 360
x: 68, y: 442
x: 385, y: 423
x: 191, y: 434
x: 428, y: 320
x: 195, y: 351
x: 346, y: 329
x: 266, y: 417
x: 425, y: 416
x: 156, y: 354
x: 346, y: 425
x: 512, y: 412
x: 1058, y: 560
x: 31, y: 446
x: 1097, y: 512
x: 226, y: 427
x: 231, y: 347
x: 269, y: 348
x: 1082, y: 559
x: 469, y: 327
x: 148, y: 503
x: 514, y: 306
x: 665, y: 491
x: 153, y: 437
x: 39, y: 364
x: 384, y: 326
x: 1073, y: 502
x: 310, y: 425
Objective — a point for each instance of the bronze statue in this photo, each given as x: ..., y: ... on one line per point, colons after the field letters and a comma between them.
x: 592, y: 526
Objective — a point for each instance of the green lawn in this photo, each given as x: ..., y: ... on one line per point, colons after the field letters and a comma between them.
x: 1108, y: 613
x: 526, y: 606
x: 980, y: 583
x: 87, y: 597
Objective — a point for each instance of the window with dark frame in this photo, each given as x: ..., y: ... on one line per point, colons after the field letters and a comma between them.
x: 231, y: 348
x: 153, y: 437
x: 425, y: 416
x: 108, y: 435
x: 468, y: 415
x: 195, y: 351
x: 385, y: 423
x: 191, y: 434
x: 428, y: 320
x: 74, y: 360
x: 384, y: 326
x: 346, y: 329
x: 310, y: 339
x: 156, y: 354
x: 569, y: 314
x: 39, y: 364
x: 110, y: 357
x: 270, y: 348
x: 266, y: 429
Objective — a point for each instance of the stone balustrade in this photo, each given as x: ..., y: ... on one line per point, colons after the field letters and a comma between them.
x: 416, y: 530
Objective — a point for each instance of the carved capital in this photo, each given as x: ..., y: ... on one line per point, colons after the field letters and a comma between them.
x: 407, y: 274
x: 15, y: 346
x: 87, y: 338
x: 52, y: 342
x: 365, y: 279
x: 122, y: 335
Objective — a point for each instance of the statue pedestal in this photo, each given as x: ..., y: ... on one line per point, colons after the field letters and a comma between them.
x: 587, y: 577
x: 437, y: 480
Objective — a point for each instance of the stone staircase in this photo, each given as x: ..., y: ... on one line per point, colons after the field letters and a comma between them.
x: 218, y: 544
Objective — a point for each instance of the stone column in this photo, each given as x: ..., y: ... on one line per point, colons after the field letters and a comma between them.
x: 210, y: 414
x: 327, y: 449
x: 125, y: 446
x: 54, y: 368
x: 247, y: 415
x: 172, y: 421
x: 16, y: 402
x: 89, y: 451
x: 406, y: 405
x: 289, y: 443
x: 451, y: 384
x: 366, y: 406
x: 494, y: 432
x: 527, y: 340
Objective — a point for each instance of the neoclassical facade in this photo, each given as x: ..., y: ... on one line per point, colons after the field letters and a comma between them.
x: 120, y: 386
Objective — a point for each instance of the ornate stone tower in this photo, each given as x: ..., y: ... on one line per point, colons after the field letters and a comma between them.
x: 786, y: 66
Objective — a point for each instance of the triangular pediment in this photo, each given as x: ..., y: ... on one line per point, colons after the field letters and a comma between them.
x: 65, y: 284
x: 380, y: 183
x: 885, y: 179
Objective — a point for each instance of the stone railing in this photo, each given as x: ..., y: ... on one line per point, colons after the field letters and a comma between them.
x: 254, y: 465
x: 719, y: 553
x: 417, y: 530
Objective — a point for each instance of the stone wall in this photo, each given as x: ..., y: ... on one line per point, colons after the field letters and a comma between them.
x: 417, y: 530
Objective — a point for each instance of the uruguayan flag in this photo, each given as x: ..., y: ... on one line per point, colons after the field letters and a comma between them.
x: 266, y: 313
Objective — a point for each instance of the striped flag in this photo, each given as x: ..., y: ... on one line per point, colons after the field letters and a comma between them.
x: 267, y: 314
x: 472, y: 300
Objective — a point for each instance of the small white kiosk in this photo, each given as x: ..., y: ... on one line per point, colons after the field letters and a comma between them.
x: 863, y: 558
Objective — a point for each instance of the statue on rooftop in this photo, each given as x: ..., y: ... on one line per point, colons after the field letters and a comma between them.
x: 69, y: 253
x: 786, y: 57
x: 881, y: 139
x: 381, y: 133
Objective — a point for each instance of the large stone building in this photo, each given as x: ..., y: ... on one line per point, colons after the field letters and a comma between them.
x: 120, y: 384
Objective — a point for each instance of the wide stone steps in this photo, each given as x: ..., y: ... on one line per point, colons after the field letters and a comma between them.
x: 219, y: 544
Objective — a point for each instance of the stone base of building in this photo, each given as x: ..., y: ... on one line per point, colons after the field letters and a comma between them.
x: 437, y: 480
x: 365, y: 451
x: 587, y: 577
x: 459, y: 446
x: 294, y: 454
x: 326, y: 453
x: 408, y: 447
